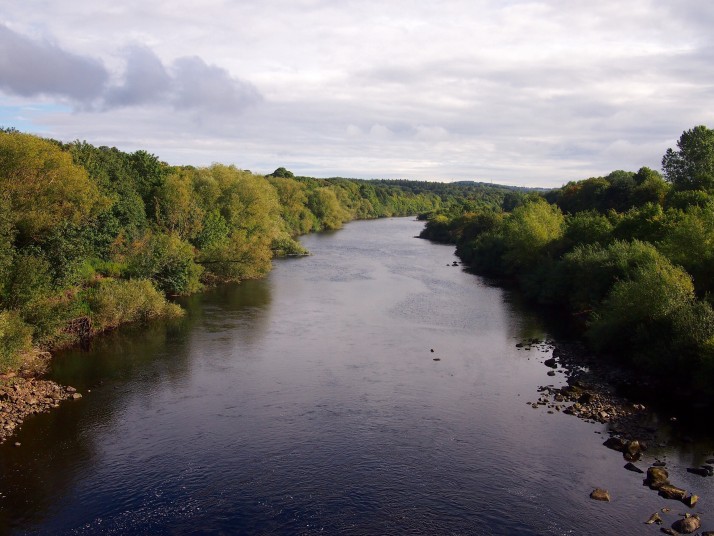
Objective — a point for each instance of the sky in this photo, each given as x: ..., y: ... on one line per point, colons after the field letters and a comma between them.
x: 527, y: 93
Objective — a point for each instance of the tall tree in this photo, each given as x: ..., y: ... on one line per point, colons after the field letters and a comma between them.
x: 692, y: 166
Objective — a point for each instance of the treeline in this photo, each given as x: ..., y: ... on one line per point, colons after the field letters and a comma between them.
x: 93, y: 237
x: 630, y: 255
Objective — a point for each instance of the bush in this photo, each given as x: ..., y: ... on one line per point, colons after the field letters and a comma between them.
x: 114, y: 302
x: 15, y: 340
x: 167, y: 260
x: 653, y: 317
x: 590, y: 271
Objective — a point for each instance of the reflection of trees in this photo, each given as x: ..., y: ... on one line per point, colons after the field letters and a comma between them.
x: 119, y: 365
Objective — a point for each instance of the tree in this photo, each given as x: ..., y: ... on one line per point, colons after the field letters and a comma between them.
x: 529, y: 230
x: 282, y: 173
x: 43, y: 186
x: 692, y: 166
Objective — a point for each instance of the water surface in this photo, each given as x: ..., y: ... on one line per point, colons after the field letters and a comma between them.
x: 310, y: 402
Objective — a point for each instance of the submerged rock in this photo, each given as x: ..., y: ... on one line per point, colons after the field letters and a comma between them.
x: 600, y: 495
x: 701, y: 471
x: 632, y: 467
x: 654, y: 518
x: 615, y: 443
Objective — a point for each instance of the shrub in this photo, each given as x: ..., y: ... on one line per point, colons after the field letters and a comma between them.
x: 15, y: 340
x: 114, y: 302
x: 167, y: 260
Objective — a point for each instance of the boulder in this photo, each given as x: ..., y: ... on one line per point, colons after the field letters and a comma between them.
x: 687, y: 525
x: 656, y: 477
x: 668, y: 491
x: 615, y: 443
x: 552, y: 363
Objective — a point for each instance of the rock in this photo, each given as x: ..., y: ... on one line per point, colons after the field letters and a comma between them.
x: 585, y: 398
x: 552, y: 363
x: 659, y: 464
x: 656, y: 477
x: 18, y: 444
x: 634, y: 447
x: 551, y: 373
x: 654, y: 518
x: 76, y: 396
x: 701, y: 471
x: 615, y: 443
x: 632, y: 467
x: 687, y: 525
x: 709, y: 469
x: 437, y: 359
x: 669, y: 531
x: 71, y: 389
x: 600, y: 495
x: 668, y: 491
x: 691, y: 500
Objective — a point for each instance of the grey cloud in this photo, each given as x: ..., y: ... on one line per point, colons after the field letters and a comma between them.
x: 189, y: 84
x: 30, y: 68
x: 145, y: 80
x: 199, y: 86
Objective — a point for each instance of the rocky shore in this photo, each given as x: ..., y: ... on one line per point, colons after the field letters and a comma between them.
x: 591, y: 393
x: 21, y: 397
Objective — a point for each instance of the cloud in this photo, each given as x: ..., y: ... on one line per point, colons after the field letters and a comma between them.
x: 189, y: 84
x: 145, y: 80
x: 29, y: 68
x: 520, y: 91
x: 199, y: 86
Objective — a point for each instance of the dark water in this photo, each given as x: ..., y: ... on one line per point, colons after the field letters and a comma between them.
x: 310, y: 403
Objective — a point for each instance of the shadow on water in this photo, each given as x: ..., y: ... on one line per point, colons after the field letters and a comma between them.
x: 116, y: 368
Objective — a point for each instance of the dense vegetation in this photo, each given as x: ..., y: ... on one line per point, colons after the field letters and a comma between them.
x: 631, y: 255
x: 93, y: 237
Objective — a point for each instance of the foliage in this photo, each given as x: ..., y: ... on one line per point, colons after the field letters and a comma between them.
x: 529, y: 231
x: 15, y: 340
x: 43, y: 186
x: 167, y: 260
x: 691, y: 167
x: 115, y: 302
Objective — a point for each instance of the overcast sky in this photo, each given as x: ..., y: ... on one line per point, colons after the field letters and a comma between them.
x: 510, y: 91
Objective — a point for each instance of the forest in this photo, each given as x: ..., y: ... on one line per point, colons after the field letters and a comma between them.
x: 629, y: 257
x: 94, y: 237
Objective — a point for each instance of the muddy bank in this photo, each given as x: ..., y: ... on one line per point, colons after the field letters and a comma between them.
x: 21, y: 397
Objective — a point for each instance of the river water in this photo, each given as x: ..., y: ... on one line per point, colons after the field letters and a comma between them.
x: 310, y: 403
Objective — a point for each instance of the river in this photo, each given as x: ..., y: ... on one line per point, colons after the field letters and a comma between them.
x: 310, y: 402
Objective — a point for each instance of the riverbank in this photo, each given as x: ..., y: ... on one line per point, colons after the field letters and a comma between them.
x: 21, y: 397
x: 593, y: 392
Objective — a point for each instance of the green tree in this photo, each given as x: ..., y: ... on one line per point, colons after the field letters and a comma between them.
x: 691, y: 167
x: 528, y: 232
x: 43, y: 186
